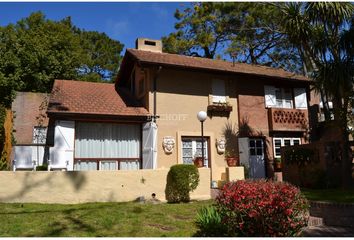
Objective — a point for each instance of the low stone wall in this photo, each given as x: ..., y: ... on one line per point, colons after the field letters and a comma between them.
x: 333, y: 214
x: 91, y: 186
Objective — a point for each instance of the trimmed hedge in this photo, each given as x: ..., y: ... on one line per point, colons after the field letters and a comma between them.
x: 181, y: 180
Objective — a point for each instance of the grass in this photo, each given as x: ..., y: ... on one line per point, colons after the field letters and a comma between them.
x: 329, y: 195
x: 99, y: 219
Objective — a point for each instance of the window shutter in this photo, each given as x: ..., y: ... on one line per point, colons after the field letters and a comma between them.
x: 300, y: 98
x: 269, y: 96
x: 63, y: 149
x: 244, y: 151
x: 149, y: 145
x: 218, y: 89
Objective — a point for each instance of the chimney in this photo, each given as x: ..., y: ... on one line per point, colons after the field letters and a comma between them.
x: 146, y: 44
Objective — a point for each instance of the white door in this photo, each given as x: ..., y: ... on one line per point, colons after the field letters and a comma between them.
x: 256, y: 158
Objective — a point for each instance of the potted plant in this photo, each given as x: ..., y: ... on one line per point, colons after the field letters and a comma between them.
x: 198, y: 162
x: 231, y: 159
x: 277, y: 162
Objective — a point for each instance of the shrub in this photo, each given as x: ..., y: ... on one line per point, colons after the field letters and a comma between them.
x: 209, y: 223
x: 262, y: 208
x: 43, y: 167
x: 181, y: 179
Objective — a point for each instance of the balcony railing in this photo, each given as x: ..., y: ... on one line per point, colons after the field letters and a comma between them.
x: 281, y: 119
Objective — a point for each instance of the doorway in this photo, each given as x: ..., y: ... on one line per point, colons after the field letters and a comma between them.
x: 251, y: 151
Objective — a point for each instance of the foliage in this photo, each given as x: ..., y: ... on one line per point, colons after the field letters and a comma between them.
x: 323, y: 33
x: 35, y: 51
x: 262, y: 208
x: 209, y: 223
x: 247, y: 32
x: 314, y: 177
x: 181, y: 180
x: 277, y: 160
x: 114, y: 219
x: 43, y: 167
x: 329, y: 195
x: 103, y: 56
x: 300, y: 156
x: 3, y: 162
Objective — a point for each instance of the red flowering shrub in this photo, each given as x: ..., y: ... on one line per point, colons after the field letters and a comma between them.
x: 262, y: 208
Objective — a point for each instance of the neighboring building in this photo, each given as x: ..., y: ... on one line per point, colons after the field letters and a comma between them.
x: 30, y: 130
x: 148, y: 118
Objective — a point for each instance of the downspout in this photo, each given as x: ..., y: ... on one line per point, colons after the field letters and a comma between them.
x: 154, y: 92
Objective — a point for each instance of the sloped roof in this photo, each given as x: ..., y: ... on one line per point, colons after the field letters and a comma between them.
x: 176, y: 60
x: 78, y: 97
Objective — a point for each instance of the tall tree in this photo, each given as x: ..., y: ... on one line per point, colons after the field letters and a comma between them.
x: 103, y: 56
x: 320, y: 32
x: 248, y: 32
x: 35, y: 51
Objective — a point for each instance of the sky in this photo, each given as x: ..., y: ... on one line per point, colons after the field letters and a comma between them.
x: 122, y: 21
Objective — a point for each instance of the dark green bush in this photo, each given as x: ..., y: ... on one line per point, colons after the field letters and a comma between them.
x: 181, y: 179
x: 209, y: 223
x: 43, y: 167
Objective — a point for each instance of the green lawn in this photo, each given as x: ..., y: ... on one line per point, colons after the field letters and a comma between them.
x: 99, y: 219
x: 329, y: 195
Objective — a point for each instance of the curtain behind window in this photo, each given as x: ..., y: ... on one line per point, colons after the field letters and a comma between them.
x: 107, y: 140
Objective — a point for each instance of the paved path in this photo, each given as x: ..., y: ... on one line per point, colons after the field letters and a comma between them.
x: 328, y: 231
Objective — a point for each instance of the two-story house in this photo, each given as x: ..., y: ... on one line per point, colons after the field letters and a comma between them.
x: 148, y: 118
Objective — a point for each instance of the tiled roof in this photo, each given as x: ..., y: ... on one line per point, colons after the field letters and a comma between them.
x: 210, y: 64
x: 80, y: 97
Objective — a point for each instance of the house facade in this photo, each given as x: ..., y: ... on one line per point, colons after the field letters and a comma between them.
x: 148, y: 118
x: 29, y: 130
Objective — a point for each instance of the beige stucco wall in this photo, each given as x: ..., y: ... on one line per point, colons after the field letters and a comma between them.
x: 91, y: 186
x: 180, y: 96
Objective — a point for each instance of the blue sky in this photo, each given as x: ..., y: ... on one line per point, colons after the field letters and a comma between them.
x: 123, y: 21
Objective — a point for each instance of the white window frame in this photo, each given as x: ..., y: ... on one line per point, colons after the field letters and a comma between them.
x: 39, y: 135
x: 282, y: 102
x: 194, y: 149
x: 271, y: 99
x: 108, y: 161
x: 282, y: 140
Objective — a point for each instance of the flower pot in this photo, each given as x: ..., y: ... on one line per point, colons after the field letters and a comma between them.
x: 278, y: 165
x: 233, y: 161
x: 198, y: 162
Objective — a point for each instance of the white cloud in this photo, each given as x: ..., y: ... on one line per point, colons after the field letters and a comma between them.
x: 159, y: 10
x: 117, y: 28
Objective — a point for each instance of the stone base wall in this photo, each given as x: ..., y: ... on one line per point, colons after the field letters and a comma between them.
x: 333, y: 214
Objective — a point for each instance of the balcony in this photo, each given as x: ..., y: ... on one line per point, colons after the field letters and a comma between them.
x: 281, y: 119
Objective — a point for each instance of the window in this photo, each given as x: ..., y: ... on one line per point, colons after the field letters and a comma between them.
x: 39, y: 135
x: 108, y: 165
x: 191, y: 148
x: 285, y: 97
x: 284, y: 142
x: 218, y: 90
x: 107, y: 146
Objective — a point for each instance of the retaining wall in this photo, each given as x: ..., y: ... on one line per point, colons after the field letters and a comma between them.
x: 91, y: 186
x: 333, y: 214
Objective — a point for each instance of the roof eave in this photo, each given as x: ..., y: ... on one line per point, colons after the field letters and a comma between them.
x: 149, y: 63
